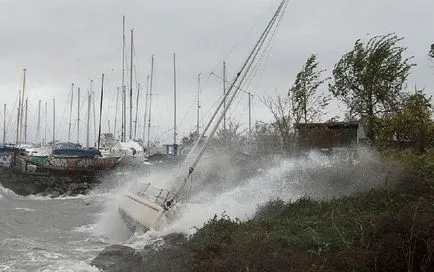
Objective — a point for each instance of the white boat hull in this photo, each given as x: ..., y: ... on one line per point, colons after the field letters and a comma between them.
x: 141, y: 212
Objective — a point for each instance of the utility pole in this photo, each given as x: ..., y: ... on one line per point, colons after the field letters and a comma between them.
x: 198, y: 104
x: 131, y: 85
x: 224, y: 95
x: 174, y: 100
x: 70, y: 112
x: 250, y: 115
x: 78, y: 116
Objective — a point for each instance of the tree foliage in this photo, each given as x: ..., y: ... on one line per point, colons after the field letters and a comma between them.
x: 279, y: 106
x: 307, y: 105
x: 369, y: 79
x: 266, y: 137
x: 190, y: 139
x: 431, y: 52
x: 411, y: 126
x: 230, y: 136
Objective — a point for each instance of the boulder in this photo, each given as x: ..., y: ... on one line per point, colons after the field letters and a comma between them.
x: 118, y: 258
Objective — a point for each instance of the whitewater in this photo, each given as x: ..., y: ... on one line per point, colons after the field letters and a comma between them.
x: 64, y: 234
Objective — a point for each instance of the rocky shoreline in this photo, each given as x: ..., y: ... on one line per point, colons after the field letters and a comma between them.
x: 47, y: 185
x: 165, y: 254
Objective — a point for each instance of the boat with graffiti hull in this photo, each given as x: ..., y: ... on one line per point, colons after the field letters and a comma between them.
x: 71, y: 157
x: 67, y: 169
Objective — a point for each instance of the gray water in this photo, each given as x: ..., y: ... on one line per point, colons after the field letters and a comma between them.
x: 44, y: 234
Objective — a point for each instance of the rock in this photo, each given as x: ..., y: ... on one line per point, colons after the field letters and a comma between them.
x: 174, y: 240
x: 54, y: 194
x: 118, y: 258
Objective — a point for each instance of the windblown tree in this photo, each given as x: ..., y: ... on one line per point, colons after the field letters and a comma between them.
x: 307, y: 104
x: 369, y: 79
x: 279, y: 106
x: 431, y: 52
x: 190, y: 139
x: 266, y: 137
x: 230, y: 136
x: 411, y: 126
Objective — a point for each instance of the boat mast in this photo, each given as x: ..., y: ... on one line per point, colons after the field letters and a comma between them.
x: 4, y: 123
x: 131, y: 85
x: 93, y: 111
x: 150, y: 101
x: 100, y: 109
x: 123, y: 82
x: 174, y: 101
x: 38, y: 127
x: 70, y: 112
x: 25, y: 121
x: 45, y: 123
x: 137, y: 111
x: 89, y: 100
x: 250, y: 115
x: 54, y: 117
x: 146, y: 108
x: 116, y: 112
x: 231, y: 93
x: 78, y: 115
x: 22, y: 105
x: 224, y: 94
x: 18, y: 118
x: 198, y: 104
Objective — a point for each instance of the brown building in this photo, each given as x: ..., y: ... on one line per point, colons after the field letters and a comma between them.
x: 330, y: 135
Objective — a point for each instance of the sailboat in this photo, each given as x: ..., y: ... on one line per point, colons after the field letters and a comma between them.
x: 152, y: 207
x: 131, y: 149
x: 66, y: 158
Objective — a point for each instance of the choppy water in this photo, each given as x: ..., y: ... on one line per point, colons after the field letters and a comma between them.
x: 43, y: 234
x: 65, y: 234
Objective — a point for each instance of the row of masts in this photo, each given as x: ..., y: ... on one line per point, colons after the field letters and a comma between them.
x: 132, y: 132
x: 22, y: 117
x: 23, y: 109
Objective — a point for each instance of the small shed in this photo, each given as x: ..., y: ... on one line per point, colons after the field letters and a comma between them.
x: 330, y: 134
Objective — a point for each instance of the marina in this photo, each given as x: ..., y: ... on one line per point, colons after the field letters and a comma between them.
x: 216, y: 136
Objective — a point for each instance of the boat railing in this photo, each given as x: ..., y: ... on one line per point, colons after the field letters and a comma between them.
x: 160, y: 196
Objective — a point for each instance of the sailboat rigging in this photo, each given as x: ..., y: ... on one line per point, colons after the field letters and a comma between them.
x: 144, y: 210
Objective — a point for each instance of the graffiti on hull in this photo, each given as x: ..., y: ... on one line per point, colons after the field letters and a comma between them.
x: 73, y: 163
x: 6, y: 159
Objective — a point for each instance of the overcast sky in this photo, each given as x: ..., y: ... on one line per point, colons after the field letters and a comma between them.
x: 61, y: 42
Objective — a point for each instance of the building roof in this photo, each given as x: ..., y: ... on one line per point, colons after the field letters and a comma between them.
x: 331, y: 125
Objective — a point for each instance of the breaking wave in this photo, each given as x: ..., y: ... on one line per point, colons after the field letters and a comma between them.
x: 238, y: 194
